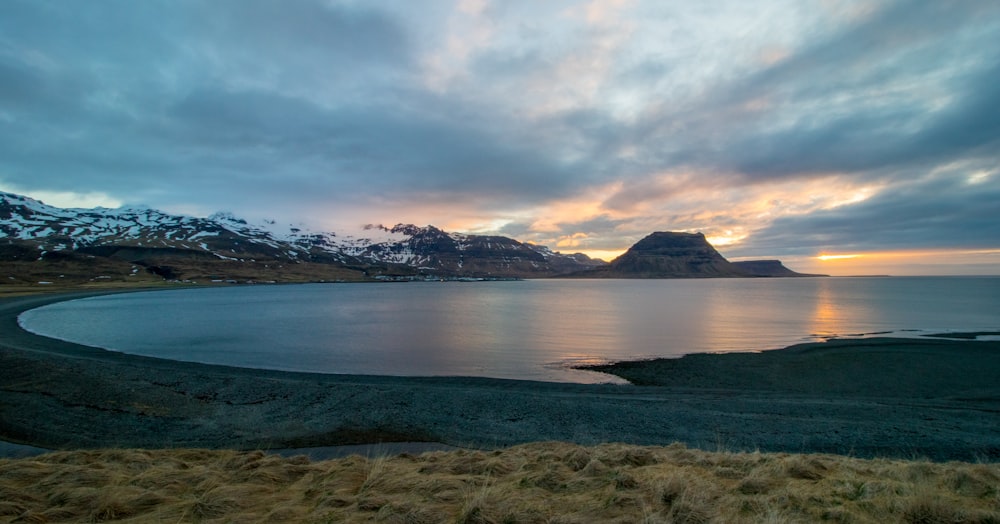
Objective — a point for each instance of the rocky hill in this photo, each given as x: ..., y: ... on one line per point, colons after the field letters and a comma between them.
x: 682, y: 255
x: 41, y: 241
x: 429, y: 249
x: 669, y: 255
x: 769, y: 268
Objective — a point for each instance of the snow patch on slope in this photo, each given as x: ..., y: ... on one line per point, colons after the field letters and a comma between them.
x: 229, y: 237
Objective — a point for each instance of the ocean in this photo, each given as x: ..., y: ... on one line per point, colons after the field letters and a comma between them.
x: 532, y: 329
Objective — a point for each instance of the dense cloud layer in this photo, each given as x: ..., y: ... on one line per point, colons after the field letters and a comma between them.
x: 777, y: 128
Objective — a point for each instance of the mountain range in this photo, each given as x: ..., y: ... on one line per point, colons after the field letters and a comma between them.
x: 39, y: 242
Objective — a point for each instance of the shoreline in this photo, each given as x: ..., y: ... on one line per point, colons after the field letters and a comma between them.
x: 849, y: 397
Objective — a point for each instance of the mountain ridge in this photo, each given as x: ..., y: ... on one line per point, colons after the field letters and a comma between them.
x: 39, y: 242
x: 161, y: 243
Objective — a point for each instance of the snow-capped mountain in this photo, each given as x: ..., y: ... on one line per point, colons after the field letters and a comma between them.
x: 32, y: 229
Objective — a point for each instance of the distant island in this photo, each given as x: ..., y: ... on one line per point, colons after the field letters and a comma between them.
x: 42, y: 245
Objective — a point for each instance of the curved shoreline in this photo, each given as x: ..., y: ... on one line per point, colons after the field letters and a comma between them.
x: 867, y: 398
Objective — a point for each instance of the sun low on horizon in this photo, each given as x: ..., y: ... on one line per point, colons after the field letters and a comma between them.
x: 958, y: 262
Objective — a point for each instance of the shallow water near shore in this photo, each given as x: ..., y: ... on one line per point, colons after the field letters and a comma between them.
x: 533, y: 330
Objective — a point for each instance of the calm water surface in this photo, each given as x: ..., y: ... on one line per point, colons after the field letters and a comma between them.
x: 526, y: 330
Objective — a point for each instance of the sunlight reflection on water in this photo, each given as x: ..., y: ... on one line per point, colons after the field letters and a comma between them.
x: 527, y: 330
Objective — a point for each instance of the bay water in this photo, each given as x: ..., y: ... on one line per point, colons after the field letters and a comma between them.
x: 533, y: 329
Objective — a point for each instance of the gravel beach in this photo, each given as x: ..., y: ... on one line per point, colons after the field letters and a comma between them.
x: 903, y: 398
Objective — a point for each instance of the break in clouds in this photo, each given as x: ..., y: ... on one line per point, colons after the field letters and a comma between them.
x: 780, y: 127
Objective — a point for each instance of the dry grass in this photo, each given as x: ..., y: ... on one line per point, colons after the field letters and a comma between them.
x: 80, y: 273
x: 544, y: 483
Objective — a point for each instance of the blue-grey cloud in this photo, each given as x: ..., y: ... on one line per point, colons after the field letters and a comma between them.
x: 940, y: 211
x: 320, y: 107
x: 861, y: 99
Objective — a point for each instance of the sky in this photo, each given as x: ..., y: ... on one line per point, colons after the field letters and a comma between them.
x: 863, y: 132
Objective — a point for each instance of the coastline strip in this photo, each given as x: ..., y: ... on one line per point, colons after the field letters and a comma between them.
x: 60, y: 395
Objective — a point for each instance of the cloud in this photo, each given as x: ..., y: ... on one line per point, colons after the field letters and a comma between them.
x: 370, y: 149
x: 244, y: 124
x: 66, y: 199
x: 19, y: 84
x: 778, y: 125
x: 945, y: 208
x: 871, y: 92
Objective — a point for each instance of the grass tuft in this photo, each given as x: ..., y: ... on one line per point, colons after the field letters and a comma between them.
x: 534, y: 483
x: 932, y: 511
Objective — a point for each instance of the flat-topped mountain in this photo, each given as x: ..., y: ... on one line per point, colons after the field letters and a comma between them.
x: 668, y: 254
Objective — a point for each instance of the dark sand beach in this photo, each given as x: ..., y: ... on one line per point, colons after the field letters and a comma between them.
x: 905, y: 398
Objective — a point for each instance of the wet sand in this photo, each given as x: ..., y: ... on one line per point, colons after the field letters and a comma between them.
x: 876, y: 397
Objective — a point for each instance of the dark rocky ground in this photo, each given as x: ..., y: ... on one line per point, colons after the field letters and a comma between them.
x: 884, y: 397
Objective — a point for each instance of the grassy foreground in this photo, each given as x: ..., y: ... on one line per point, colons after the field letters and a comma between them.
x: 542, y: 482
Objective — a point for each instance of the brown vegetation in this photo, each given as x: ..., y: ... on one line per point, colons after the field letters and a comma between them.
x: 26, y: 278
x: 544, y: 482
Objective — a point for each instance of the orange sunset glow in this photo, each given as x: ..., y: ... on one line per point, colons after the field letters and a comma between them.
x: 580, y: 126
x: 907, y: 262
